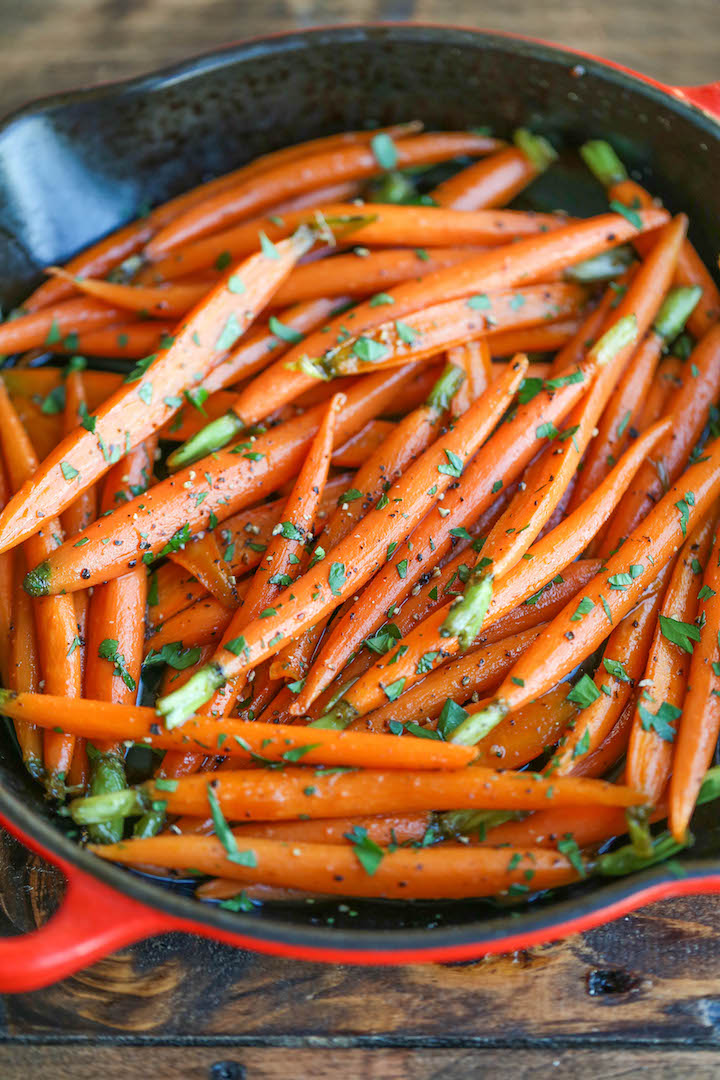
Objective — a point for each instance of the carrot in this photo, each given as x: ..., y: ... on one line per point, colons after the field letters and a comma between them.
x: 22, y: 672
x: 46, y: 327
x: 373, y: 224
x: 357, y: 557
x: 131, y: 340
x: 605, y: 165
x: 290, y: 179
x: 7, y: 603
x: 109, y: 252
x: 394, y: 829
x: 136, y: 411
x: 520, y: 739
x: 698, y: 729
x: 617, y: 675
x: 158, y: 301
x: 360, y: 447
x: 403, y: 874
x: 500, y: 462
x: 613, y: 593
x: 533, y: 339
x: 650, y: 753
x: 237, y: 478
x: 547, y: 557
x: 611, y: 750
x: 205, y: 561
x: 273, y: 742
x: 55, y: 620
x: 202, y: 623
x: 513, y: 265
x: 625, y: 405
x: 367, y: 274
x: 498, y: 179
x: 472, y: 674
x: 39, y: 382
x: 690, y: 408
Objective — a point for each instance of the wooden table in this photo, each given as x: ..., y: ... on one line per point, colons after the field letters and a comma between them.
x: 641, y: 994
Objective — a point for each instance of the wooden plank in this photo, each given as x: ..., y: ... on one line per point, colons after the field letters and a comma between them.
x: 203, y: 1063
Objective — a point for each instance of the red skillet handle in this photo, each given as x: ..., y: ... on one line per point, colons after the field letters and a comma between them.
x: 706, y: 98
x: 92, y: 922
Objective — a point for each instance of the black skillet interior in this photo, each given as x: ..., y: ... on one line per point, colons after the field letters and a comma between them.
x: 76, y: 167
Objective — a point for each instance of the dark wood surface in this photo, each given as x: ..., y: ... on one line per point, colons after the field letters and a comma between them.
x: 639, y: 996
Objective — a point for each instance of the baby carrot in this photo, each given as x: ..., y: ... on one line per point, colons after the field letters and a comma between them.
x: 443, y: 871
x: 22, y: 672
x: 159, y: 301
x: 46, y: 327
x: 698, y: 730
x: 131, y: 340
x: 496, y: 180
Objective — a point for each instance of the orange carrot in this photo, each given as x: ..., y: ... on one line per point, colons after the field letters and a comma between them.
x: 698, y: 730
x: 358, y: 449
x: 447, y: 871
x: 498, y: 179
x: 7, y: 603
x: 289, y: 179
x: 158, y: 301
x: 205, y: 561
x: 56, y: 627
x: 39, y: 382
x: 133, y: 340
x: 521, y: 738
x: 650, y: 753
x: 22, y: 672
x: 46, y: 327
x: 533, y: 339
x: 136, y: 411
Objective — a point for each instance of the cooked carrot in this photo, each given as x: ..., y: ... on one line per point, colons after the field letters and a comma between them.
x: 39, y: 382
x: 698, y: 730
x: 444, y: 871
x: 109, y: 252
x: 690, y: 409
x: 518, y: 264
x: 613, y: 592
x: 130, y: 340
x: 617, y: 675
x: 202, y: 623
x: 472, y: 674
x: 8, y: 572
x: 521, y: 738
x: 136, y: 411
x: 604, y: 163
x: 366, y: 274
x: 274, y: 742
x: 22, y: 670
x: 498, y: 179
x: 548, y: 478
x: 650, y: 753
x: 611, y: 750
x: 627, y: 400
x: 46, y: 327
x: 533, y: 339
x: 355, y: 452
x: 370, y: 225
x: 391, y: 829
x: 475, y: 360
x: 290, y: 179
x: 158, y: 301
x: 547, y: 557
x: 237, y: 478
x: 56, y: 626
x: 205, y: 561
x: 358, y: 557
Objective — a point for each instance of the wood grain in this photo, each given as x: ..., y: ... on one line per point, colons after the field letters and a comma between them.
x: 642, y: 994
x: 53, y: 45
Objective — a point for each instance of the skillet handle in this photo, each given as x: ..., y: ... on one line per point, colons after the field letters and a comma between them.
x: 706, y: 97
x: 92, y: 921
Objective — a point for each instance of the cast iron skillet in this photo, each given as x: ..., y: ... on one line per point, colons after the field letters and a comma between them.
x: 75, y: 167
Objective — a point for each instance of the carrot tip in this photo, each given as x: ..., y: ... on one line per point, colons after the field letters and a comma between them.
x: 212, y: 437
x: 183, y: 703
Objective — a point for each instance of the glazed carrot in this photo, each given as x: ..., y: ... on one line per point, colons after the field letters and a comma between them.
x: 355, y: 452
x: 498, y: 179
x: 7, y: 603
x: 475, y: 360
x: 500, y: 462
x: 472, y: 674
x: 533, y: 339
x: 22, y: 672
x: 371, y: 273
x: 690, y: 409
x: 650, y: 753
x: 205, y: 561
x: 288, y: 180
x: 667, y: 380
x: 45, y: 327
x: 698, y: 731
x: 136, y: 411
x: 109, y: 252
x: 611, y: 750
x: 39, y: 382
x: 56, y: 626
x: 174, y: 512
x: 392, y: 829
x: 373, y: 224
x: 513, y: 265
x: 547, y: 479
x: 202, y: 623
x: 358, y: 557
x: 521, y: 738
x: 548, y: 556
x: 131, y: 340
x: 613, y: 593
x: 604, y: 163
x: 617, y: 675
x: 409, y: 438
x: 158, y: 301
x: 625, y: 405
x: 445, y: 871
x: 274, y: 742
